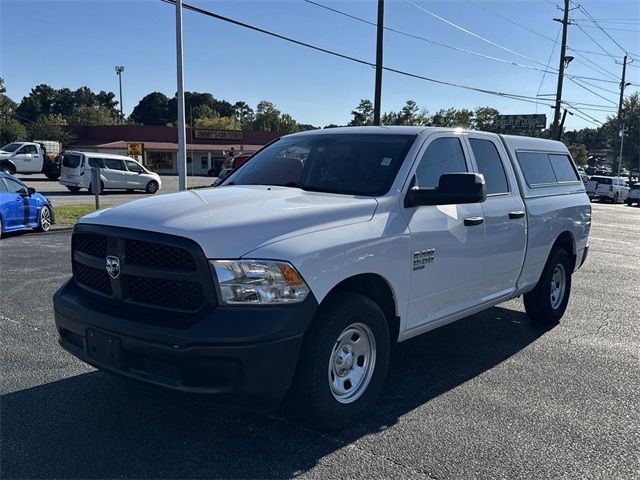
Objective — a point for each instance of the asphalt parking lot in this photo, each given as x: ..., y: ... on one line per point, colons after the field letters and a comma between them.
x: 59, y: 195
x: 491, y: 396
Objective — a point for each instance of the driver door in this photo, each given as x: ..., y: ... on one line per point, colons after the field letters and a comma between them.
x: 447, y: 272
x: 21, y: 207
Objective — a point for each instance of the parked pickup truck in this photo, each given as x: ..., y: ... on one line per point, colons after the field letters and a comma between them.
x: 294, y: 277
x: 31, y: 157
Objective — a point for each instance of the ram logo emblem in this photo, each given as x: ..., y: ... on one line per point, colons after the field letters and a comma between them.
x: 113, y: 267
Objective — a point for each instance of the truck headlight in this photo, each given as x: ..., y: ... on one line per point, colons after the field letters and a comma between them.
x: 258, y: 282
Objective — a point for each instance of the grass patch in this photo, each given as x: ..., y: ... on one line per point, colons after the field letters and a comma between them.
x: 69, y: 214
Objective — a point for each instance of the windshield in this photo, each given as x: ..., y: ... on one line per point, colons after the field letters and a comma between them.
x: 350, y: 164
x: 12, y: 147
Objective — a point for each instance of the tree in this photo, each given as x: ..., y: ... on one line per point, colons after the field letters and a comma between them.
x: 11, y: 130
x: 267, y: 117
x: 287, y: 124
x: 363, y: 114
x: 579, y: 153
x: 483, y: 118
x: 216, y: 123
x: 631, y: 119
x: 50, y: 127
x: 40, y: 101
x: 152, y: 110
x: 244, y: 114
x: 95, y: 115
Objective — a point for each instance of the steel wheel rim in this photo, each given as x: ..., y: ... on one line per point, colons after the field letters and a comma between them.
x: 352, y: 363
x: 153, y: 187
x: 45, y: 218
x: 558, y: 286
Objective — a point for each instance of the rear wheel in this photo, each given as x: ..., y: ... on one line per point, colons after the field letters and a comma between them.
x: 152, y: 187
x: 73, y: 189
x: 52, y: 176
x: 343, y: 362
x: 548, y: 301
x: 45, y: 220
x: 8, y: 168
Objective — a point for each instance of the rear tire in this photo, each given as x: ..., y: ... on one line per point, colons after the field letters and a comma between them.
x: 547, y: 302
x: 343, y: 362
x: 52, y: 176
x: 73, y: 189
x: 8, y: 168
x: 152, y: 187
x: 45, y: 219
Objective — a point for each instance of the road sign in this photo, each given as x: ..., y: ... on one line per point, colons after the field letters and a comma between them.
x: 520, y: 122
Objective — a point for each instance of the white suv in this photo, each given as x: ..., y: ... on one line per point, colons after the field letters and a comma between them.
x: 634, y: 195
x: 116, y: 172
x: 613, y: 189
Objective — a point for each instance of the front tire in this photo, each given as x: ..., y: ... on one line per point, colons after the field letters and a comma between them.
x: 152, y: 187
x: 8, y: 168
x: 343, y: 362
x: 547, y: 302
x: 73, y: 189
x: 45, y: 219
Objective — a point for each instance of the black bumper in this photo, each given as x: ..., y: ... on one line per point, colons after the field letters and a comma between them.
x: 233, y: 352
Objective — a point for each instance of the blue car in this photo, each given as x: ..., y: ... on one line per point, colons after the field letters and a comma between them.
x: 22, y: 208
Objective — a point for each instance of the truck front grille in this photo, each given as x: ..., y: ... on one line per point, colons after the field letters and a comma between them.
x: 158, y: 273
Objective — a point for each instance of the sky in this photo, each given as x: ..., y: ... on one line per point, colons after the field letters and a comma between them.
x: 72, y: 43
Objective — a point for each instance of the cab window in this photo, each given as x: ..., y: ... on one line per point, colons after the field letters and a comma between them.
x: 3, y: 188
x: 114, y: 164
x: 96, y: 162
x: 28, y: 149
x: 15, y: 187
x: 443, y: 155
x: 490, y: 165
x: 133, y: 166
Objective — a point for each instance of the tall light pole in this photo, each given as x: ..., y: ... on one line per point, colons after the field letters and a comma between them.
x: 119, y: 70
x: 181, y: 160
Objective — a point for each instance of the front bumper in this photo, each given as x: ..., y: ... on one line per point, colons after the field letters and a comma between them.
x: 236, y: 353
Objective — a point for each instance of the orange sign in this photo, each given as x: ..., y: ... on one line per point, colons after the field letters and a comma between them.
x: 135, y: 149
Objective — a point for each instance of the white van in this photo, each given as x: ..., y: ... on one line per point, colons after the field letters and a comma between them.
x: 116, y: 172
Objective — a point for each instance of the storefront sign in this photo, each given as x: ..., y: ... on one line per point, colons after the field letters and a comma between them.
x: 160, y: 160
x: 218, y: 134
x: 520, y: 122
x: 135, y: 149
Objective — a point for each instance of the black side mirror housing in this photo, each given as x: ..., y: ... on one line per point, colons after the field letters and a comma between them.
x: 31, y: 190
x: 453, y: 188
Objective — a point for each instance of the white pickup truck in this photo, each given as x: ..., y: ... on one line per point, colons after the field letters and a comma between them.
x: 31, y: 157
x: 613, y: 189
x: 294, y: 277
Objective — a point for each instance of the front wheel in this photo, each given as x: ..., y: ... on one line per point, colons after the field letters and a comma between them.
x: 152, y: 187
x: 548, y: 301
x: 343, y: 362
x: 73, y: 189
x: 45, y: 220
x: 8, y: 168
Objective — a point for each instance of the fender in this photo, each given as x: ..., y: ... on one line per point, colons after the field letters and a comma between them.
x: 5, y: 162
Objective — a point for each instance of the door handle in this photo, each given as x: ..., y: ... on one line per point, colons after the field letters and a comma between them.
x: 516, y: 214
x: 471, y: 221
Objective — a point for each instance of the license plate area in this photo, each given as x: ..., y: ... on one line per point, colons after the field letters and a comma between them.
x: 105, y: 349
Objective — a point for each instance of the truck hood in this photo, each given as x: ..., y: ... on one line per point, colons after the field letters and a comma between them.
x: 229, y: 222
x: 4, y: 154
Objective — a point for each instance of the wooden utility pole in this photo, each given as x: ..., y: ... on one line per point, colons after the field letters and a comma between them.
x: 378, y: 90
x: 555, y: 130
x: 620, y: 122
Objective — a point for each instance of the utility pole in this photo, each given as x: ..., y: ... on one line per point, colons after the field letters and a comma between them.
x: 181, y: 159
x: 556, y: 113
x: 620, y: 121
x: 378, y: 91
x: 119, y: 70
x: 564, y: 116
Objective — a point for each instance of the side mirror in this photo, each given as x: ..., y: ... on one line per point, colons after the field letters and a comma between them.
x: 453, y: 188
x: 31, y: 190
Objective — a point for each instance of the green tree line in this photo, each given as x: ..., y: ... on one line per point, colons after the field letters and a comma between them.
x: 45, y: 111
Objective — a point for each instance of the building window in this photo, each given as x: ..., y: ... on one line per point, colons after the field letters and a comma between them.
x: 160, y: 160
x: 204, y: 162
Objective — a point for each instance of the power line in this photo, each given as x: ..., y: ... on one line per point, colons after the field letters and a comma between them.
x: 548, y: 64
x: 596, y: 42
x: 610, y: 28
x: 588, y: 15
x: 208, y: 13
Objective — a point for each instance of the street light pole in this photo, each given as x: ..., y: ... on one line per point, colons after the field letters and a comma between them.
x: 181, y: 160
x: 119, y: 70
x: 620, y: 102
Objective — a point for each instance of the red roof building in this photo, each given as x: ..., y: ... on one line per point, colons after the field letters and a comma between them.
x: 157, y: 147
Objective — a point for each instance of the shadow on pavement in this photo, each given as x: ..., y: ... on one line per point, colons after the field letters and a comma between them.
x: 96, y: 425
